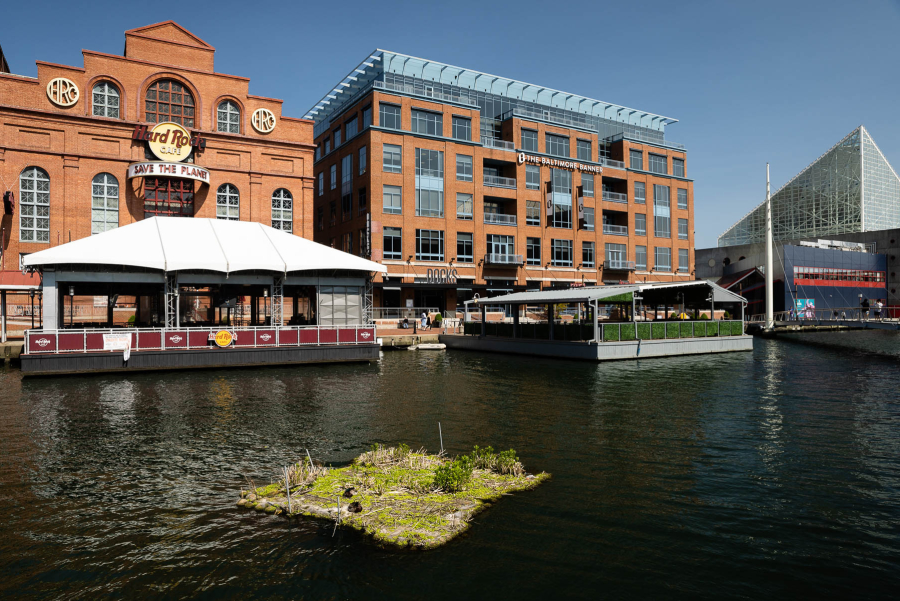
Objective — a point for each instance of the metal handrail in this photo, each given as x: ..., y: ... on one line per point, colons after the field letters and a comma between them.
x: 614, y: 264
x: 501, y: 259
x: 495, y: 143
x: 612, y: 163
x: 615, y: 197
x: 834, y: 315
x: 171, y: 338
x: 615, y: 230
x: 500, y: 219
x: 401, y: 312
x: 495, y: 181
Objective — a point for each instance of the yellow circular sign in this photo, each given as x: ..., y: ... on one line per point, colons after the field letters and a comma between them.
x: 169, y: 142
x: 223, y: 338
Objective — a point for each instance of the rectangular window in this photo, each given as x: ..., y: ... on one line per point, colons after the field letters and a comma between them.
x: 616, y: 255
x: 640, y: 257
x: 557, y: 145
x: 661, y: 212
x: 363, y: 248
x: 637, y: 159
x: 429, y: 183
x: 589, y: 219
x: 640, y: 193
x: 393, y: 199
x: 587, y: 254
x: 562, y: 253
x: 463, y: 168
x: 320, y: 218
x: 533, y: 251
x: 501, y: 245
x: 328, y: 145
x: 562, y: 198
x: 683, y: 260
x: 682, y: 198
x: 587, y: 184
x: 462, y: 128
x: 464, y: 206
x: 532, y: 212
x: 678, y: 167
x: 464, y: 248
x: 346, y: 187
x: 529, y: 140
x: 425, y: 122
x: 429, y: 245
x: 393, y: 248
x: 640, y: 224
x: 682, y: 229
x: 532, y: 177
x: 333, y: 177
x: 583, y: 150
x: 318, y: 152
x: 392, y: 160
x: 321, y: 183
x: 361, y: 195
x: 367, y: 117
x: 663, y: 259
x: 351, y: 128
x: 659, y: 164
x: 362, y: 160
x: 337, y: 138
x: 389, y: 116
x: 347, y: 245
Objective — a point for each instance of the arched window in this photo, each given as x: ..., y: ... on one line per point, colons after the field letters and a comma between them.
x: 283, y: 210
x: 168, y: 100
x: 104, y: 203
x: 228, y: 203
x: 106, y: 100
x: 34, y: 205
x: 229, y: 117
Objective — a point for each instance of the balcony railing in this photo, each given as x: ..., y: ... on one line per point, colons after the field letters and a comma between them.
x: 612, y: 163
x: 615, y: 197
x: 615, y: 230
x: 639, y: 136
x: 494, y: 143
x: 618, y: 264
x: 424, y: 92
x: 495, y: 181
x: 499, y: 219
x: 498, y: 259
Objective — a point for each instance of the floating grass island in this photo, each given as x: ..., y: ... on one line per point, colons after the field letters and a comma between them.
x: 402, y: 498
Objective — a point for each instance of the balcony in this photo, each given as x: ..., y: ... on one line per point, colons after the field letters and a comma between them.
x: 499, y: 219
x: 640, y: 136
x: 496, y: 181
x: 497, y: 259
x: 615, y: 197
x: 612, y: 163
x: 500, y: 144
x: 615, y: 230
x: 619, y: 265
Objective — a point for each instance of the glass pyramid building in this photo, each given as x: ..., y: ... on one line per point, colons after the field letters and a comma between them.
x: 851, y: 188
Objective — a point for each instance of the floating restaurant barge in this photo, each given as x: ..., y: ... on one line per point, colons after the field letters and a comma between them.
x: 200, y: 293
x: 638, y: 322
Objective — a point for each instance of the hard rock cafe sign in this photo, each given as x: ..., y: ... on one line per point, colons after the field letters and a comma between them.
x: 171, y: 144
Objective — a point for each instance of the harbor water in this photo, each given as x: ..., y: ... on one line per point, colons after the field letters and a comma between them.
x: 772, y: 474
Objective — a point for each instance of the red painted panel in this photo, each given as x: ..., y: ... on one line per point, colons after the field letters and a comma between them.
x: 198, y: 339
x: 265, y: 337
x: 838, y: 283
x: 42, y: 343
x: 176, y: 339
x: 347, y: 335
x: 365, y: 335
x: 309, y: 336
x: 93, y: 342
x: 327, y: 336
x: 71, y: 342
x: 244, y: 337
x: 147, y: 340
x: 287, y: 337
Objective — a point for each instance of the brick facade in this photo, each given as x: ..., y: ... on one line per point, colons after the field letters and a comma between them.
x: 480, y: 276
x: 73, y: 146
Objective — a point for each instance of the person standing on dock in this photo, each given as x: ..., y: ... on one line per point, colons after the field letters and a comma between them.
x: 865, y: 308
x: 878, y: 306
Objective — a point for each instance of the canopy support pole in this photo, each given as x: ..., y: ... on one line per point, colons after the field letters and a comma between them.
x: 278, y: 302
x: 2, y: 315
x: 516, y: 321
x: 550, y: 318
x: 483, y: 319
x: 596, y: 320
x: 171, y: 293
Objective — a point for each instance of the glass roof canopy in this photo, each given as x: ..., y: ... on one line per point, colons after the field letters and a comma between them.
x: 380, y: 62
x: 851, y: 188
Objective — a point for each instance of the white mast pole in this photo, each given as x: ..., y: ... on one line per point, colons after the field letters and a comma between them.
x: 770, y: 319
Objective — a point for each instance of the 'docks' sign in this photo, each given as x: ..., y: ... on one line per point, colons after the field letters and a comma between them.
x: 439, y: 276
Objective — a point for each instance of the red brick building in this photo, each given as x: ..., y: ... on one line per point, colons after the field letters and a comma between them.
x: 75, y: 161
x: 465, y: 183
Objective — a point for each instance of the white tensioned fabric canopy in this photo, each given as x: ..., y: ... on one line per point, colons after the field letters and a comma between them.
x: 183, y: 244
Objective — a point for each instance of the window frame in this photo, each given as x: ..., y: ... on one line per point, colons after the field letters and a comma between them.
x: 653, y: 166
x: 426, y: 122
x: 395, y: 253
x: 186, y: 114
x: 38, y: 212
x: 285, y: 219
x: 393, y: 111
x: 464, y: 176
x: 111, y: 91
x: 396, y: 158
x: 231, y: 110
x: 461, y: 124
x: 462, y: 257
x: 471, y: 202
x: 558, y: 249
x: 437, y: 239
x: 532, y: 137
x: 588, y: 249
x: 530, y: 248
x: 106, y: 197
x: 392, y: 194
x: 228, y: 202
x: 636, y: 159
x: 553, y: 143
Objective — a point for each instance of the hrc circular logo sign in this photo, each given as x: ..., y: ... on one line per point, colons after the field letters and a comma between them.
x: 223, y: 338
x: 170, y: 142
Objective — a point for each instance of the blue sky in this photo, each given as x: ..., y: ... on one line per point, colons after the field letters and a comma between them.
x: 749, y: 82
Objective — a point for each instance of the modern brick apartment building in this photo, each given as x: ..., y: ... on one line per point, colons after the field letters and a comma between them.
x: 464, y: 183
x: 79, y: 155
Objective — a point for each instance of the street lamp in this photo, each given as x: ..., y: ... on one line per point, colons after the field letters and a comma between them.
x: 265, y: 306
x: 71, y: 306
x: 31, y: 293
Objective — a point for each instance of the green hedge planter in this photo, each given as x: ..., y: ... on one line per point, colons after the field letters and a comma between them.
x: 712, y: 328
x: 644, y: 331
x: 672, y: 330
x: 687, y: 329
x: 627, y: 331
x: 610, y: 332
